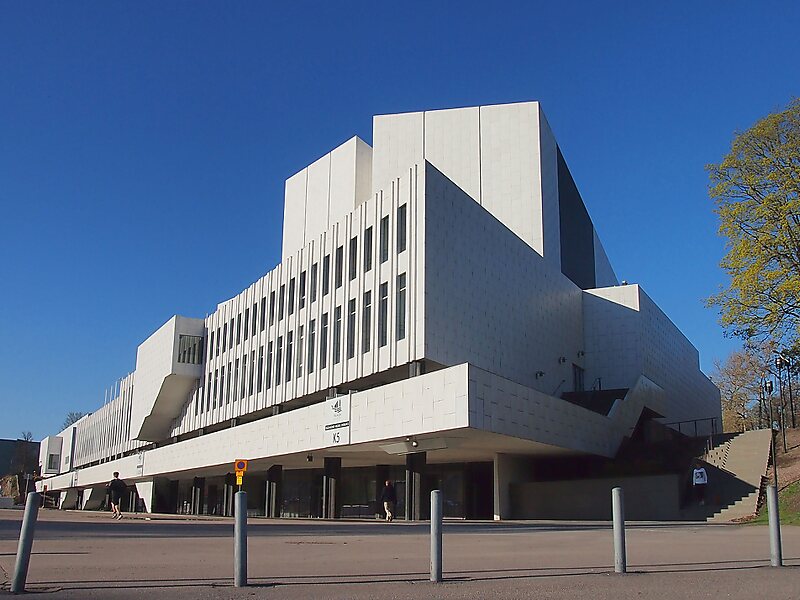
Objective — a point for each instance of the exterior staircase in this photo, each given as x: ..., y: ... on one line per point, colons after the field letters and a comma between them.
x: 739, y: 465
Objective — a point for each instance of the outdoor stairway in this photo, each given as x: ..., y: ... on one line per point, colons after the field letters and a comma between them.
x: 742, y: 462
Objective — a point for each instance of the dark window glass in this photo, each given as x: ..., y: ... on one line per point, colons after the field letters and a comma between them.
x: 302, y: 299
x: 230, y: 343
x: 243, y: 380
x: 312, y: 332
x: 368, y: 250
x: 254, y: 321
x: 223, y: 394
x: 211, y: 346
x: 337, y: 335
x: 263, y: 314
x: 339, y: 266
x: 224, y: 336
x: 366, y: 322
x: 269, y: 365
x: 271, y: 308
x: 313, y: 282
x: 300, y: 340
x: 400, y: 328
x: 281, y: 295
x: 401, y: 228
x: 246, y: 324
x: 216, y: 386
x: 323, y: 342
x: 351, y: 328
x: 383, y: 316
x: 353, y: 258
x: 385, y: 239
x: 326, y: 274
x: 236, y: 375
x: 260, y: 369
x: 252, y: 372
x: 289, y: 348
x: 278, y: 357
x: 291, y: 296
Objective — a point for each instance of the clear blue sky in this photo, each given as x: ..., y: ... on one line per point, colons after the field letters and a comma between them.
x: 124, y: 127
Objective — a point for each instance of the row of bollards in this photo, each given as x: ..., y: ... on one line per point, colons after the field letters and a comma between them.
x: 240, y: 536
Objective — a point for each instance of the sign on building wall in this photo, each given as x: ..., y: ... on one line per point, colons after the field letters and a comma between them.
x: 337, y: 421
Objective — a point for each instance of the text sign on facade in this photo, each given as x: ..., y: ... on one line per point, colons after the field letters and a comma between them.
x: 337, y: 421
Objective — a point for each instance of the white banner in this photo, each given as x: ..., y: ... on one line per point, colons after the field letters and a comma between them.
x: 337, y: 421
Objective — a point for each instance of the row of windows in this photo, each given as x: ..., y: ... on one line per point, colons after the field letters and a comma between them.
x: 238, y: 329
x: 284, y: 361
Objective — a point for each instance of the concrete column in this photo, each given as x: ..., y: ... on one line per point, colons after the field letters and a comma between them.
x: 273, y: 491
x: 508, y: 469
x: 198, y: 495
x: 93, y: 498
x: 415, y: 469
x: 331, y: 504
x: 145, y: 491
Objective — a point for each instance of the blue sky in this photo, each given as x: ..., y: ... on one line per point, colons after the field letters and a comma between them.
x: 125, y: 126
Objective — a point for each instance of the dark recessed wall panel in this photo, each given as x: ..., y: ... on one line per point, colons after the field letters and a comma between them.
x: 577, y: 232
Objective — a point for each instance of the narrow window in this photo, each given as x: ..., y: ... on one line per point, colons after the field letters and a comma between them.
x: 255, y: 322
x: 400, y: 328
x: 242, y: 385
x: 246, y: 324
x: 300, y: 351
x: 216, y: 386
x: 385, y: 239
x: 281, y: 295
x: 383, y: 316
x: 351, y: 328
x: 289, y: 348
x: 368, y: 250
x: 337, y: 335
x: 401, y: 228
x: 224, y: 335
x: 366, y: 322
x: 353, y: 257
x: 230, y: 342
x: 269, y: 365
x: 228, y: 395
x: 236, y: 375
x: 263, y: 313
x: 260, y: 368
x: 323, y: 342
x: 326, y: 274
x: 271, y: 308
x: 291, y: 296
x: 314, y: 282
x: 252, y: 372
x: 219, y: 339
x: 278, y: 357
x: 211, y: 346
x: 339, y: 266
x: 223, y: 394
x: 312, y: 331
x: 302, y: 289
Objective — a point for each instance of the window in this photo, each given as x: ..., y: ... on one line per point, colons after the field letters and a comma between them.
x: 190, y: 349
x: 400, y: 326
x: 219, y: 339
x: 216, y: 386
x: 52, y: 462
x: 260, y: 368
x: 401, y: 228
x: 366, y: 322
x: 339, y: 266
x: 291, y: 296
x: 278, y: 356
x: 383, y: 316
x: 385, y: 239
x: 222, y: 394
x: 314, y: 282
x: 224, y: 335
x: 242, y: 386
x: 368, y: 250
x: 280, y: 301
x: 228, y: 395
x: 337, y: 335
x: 252, y: 372
x: 211, y: 346
x: 236, y: 376
x: 271, y: 308
x: 326, y: 274
x: 263, y: 313
x: 269, y: 365
x: 255, y: 309
x: 351, y: 328
x: 312, y: 330
x: 289, y: 348
x: 323, y: 343
x: 353, y: 257
x: 246, y: 324
x: 303, y: 289
x: 577, y: 378
x: 230, y: 342
x: 300, y: 351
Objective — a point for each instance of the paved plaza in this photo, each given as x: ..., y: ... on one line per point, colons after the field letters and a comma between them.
x: 88, y: 555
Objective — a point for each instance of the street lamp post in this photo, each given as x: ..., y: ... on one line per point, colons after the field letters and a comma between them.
x: 789, y: 365
x: 768, y: 389
x: 779, y: 362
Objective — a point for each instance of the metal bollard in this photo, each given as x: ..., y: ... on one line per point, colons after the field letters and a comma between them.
x: 436, y: 536
x: 240, y: 540
x: 618, y: 512
x: 776, y: 552
x: 25, y: 543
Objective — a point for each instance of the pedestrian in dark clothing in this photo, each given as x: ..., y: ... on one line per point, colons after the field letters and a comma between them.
x: 117, y: 489
x: 389, y: 499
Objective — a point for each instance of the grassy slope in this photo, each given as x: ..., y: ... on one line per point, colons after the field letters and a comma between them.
x: 788, y: 480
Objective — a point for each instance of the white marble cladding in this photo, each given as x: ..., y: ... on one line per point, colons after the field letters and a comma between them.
x: 491, y: 300
x: 245, y: 333
x: 627, y: 335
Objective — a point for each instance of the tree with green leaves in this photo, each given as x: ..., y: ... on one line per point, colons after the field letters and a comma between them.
x: 756, y: 189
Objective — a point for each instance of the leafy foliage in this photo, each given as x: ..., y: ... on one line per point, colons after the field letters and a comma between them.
x: 756, y: 189
x: 72, y: 417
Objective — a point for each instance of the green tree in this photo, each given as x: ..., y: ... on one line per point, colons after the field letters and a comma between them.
x: 738, y: 380
x: 756, y: 189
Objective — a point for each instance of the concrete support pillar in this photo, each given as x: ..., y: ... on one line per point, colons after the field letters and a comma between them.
x: 93, y: 498
x: 198, y: 495
x: 145, y: 491
x: 229, y: 490
x: 273, y: 491
x: 331, y: 501
x: 508, y: 469
x: 415, y: 469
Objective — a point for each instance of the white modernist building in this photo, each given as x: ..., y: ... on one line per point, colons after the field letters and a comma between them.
x: 444, y: 316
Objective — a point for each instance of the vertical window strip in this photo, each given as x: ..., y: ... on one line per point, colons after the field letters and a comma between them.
x: 384, y: 239
x: 401, y: 228
x: 383, y: 315
x: 368, y: 250
x: 351, y: 328
x: 353, y: 258
x: 337, y: 335
x: 313, y: 283
x: 310, y: 354
x: 400, y: 328
x: 366, y: 322
x: 323, y: 342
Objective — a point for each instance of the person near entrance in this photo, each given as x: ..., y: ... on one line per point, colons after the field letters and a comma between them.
x: 699, y: 483
x: 389, y: 499
x: 117, y: 489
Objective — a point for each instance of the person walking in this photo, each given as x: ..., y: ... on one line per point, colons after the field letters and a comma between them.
x: 389, y: 499
x: 699, y: 483
x: 117, y: 489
